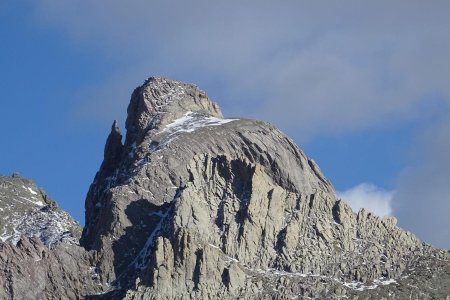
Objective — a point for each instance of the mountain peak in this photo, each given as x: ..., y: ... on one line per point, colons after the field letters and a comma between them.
x: 198, y: 206
x: 160, y: 101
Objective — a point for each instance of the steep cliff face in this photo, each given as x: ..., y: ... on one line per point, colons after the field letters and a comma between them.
x: 197, y: 206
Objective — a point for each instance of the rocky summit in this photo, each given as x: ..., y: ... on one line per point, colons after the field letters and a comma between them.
x: 192, y: 205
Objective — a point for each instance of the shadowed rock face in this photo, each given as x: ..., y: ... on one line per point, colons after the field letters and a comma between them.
x: 196, y: 206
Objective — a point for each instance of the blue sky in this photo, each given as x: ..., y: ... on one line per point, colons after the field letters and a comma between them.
x: 363, y: 89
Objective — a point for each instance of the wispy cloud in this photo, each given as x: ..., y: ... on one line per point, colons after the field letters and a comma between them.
x: 308, y: 66
x: 369, y: 196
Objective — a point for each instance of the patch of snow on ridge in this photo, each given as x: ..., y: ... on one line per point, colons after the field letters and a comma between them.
x: 358, y: 286
x: 354, y: 285
x: 48, y: 225
x: 31, y: 191
x: 190, y: 122
x: 34, y: 200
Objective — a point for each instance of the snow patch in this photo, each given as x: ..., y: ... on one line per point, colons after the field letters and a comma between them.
x: 354, y: 285
x: 358, y: 286
x: 38, y: 202
x: 31, y: 191
x: 50, y: 226
x: 191, y: 122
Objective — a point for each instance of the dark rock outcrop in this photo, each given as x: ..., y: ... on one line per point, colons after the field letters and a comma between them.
x: 113, y: 150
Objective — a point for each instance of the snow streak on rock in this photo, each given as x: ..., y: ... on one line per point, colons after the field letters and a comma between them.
x: 191, y: 122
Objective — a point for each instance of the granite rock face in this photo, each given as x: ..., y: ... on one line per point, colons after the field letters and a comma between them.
x: 200, y: 206
x: 193, y: 205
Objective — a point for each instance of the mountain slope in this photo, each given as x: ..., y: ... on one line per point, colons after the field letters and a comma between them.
x: 27, y: 210
x: 40, y: 257
x: 196, y: 206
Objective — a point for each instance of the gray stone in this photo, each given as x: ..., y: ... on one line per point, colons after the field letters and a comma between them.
x: 39, y: 254
x: 234, y: 209
x: 196, y: 206
x: 27, y: 210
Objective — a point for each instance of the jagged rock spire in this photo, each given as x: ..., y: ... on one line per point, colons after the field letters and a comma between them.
x: 113, y: 148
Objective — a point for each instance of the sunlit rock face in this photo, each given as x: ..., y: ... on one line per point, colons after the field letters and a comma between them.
x: 193, y: 205
x: 203, y: 206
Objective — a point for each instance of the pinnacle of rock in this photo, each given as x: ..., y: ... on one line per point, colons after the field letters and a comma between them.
x: 115, y: 127
x: 113, y: 148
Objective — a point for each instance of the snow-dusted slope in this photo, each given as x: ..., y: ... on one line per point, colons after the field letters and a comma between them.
x: 26, y: 210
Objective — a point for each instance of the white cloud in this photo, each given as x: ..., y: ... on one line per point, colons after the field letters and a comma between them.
x: 369, y: 196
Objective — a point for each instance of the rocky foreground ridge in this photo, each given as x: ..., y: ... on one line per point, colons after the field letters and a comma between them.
x: 40, y: 256
x: 196, y: 206
x: 27, y: 210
